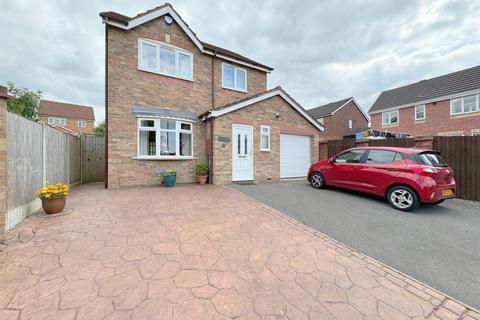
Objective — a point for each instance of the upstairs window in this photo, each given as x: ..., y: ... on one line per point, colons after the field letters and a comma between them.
x: 264, y: 138
x: 165, y: 59
x: 164, y: 138
x: 82, y: 123
x: 420, y: 112
x: 467, y: 104
x: 56, y: 120
x: 350, y: 124
x: 390, y: 117
x: 234, y: 78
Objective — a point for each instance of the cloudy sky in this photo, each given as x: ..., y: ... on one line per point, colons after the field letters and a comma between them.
x: 321, y: 51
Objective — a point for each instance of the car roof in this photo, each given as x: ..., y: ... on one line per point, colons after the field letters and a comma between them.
x: 394, y: 149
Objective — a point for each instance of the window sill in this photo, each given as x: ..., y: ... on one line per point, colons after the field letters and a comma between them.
x: 390, y: 125
x: 164, y: 74
x: 464, y: 114
x: 264, y: 150
x: 164, y: 158
x: 419, y: 121
x: 233, y: 89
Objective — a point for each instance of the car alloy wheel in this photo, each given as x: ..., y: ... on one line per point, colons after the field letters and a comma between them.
x: 317, y: 180
x: 403, y: 198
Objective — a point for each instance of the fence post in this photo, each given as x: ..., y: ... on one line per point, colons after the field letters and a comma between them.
x: 44, y: 154
x: 3, y: 157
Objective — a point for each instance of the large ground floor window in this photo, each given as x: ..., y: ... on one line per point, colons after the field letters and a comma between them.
x: 164, y: 138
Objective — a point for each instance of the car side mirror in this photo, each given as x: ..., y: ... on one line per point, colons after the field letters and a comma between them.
x: 331, y: 160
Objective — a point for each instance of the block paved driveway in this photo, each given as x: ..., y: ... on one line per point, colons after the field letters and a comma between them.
x: 195, y: 252
x: 439, y: 245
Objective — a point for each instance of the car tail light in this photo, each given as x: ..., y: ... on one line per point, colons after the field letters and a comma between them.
x: 426, y: 171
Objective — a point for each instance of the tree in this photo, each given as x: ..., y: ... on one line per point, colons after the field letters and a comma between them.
x: 99, y: 130
x: 25, y: 103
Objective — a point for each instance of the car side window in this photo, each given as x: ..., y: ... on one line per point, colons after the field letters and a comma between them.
x: 381, y: 156
x: 352, y: 156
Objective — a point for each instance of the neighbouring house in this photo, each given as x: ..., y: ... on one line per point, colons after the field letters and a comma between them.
x: 173, y: 100
x: 67, y: 117
x: 340, y: 118
x: 446, y: 105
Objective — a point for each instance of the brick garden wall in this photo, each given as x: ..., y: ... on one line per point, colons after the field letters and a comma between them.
x: 438, y: 121
x: 266, y: 163
x: 127, y: 86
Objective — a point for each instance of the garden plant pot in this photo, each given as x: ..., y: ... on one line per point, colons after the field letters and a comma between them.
x: 55, y: 205
x: 169, y: 181
x: 202, y: 179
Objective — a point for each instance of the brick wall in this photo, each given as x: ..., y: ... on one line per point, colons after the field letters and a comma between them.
x: 266, y: 163
x: 438, y: 121
x: 337, y: 124
x: 72, y: 124
x: 128, y: 86
x: 3, y: 163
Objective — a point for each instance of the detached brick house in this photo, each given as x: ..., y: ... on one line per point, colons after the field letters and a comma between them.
x: 445, y: 105
x: 340, y: 118
x: 67, y: 117
x: 173, y: 100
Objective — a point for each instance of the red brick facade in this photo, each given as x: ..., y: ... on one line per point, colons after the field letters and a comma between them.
x: 336, y: 124
x: 438, y: 121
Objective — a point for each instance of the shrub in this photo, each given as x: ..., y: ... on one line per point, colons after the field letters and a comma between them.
x: 201, y: 169
x: 169, y: 172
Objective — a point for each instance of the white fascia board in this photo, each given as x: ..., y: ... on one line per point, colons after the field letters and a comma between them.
x: 217, y: 113
x: 441, y: 98
x: 358, y: 107
x: 221, y: 56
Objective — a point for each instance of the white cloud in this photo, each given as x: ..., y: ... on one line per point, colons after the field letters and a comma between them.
x: 320, y: 51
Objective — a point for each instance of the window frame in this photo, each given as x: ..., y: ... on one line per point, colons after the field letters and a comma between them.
x: 156, y: 128
x: 424, y: 112
x: 80, y: 122
x: 263, y: 134
x: 57, y: 120
x: 390, y: 117
x: 350, y: 124
x: 235, y: 69
x: 477, y: 104
x: 161, y: 45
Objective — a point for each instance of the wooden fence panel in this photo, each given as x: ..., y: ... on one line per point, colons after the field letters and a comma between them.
x: 56, y: 156
x: 336, y: 146
x: 463, y: 155
x: 74, y: 170
x: 400, y: 143
x: 93, y: 159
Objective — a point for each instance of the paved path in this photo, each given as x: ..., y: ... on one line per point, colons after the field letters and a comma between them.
x: 194, y: 252
x: 439, y: 245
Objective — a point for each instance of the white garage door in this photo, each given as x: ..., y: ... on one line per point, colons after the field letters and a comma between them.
x: 294, y: 155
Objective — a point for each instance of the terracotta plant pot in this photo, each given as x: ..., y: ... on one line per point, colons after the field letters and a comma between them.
x: 202, y: 179
x: 52, y: 206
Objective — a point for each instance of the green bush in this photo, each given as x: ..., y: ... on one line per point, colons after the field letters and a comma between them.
x: 201, y: 169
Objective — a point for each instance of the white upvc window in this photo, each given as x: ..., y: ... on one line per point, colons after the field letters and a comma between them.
x: 234, y: 78
x: 165, y: 59
x: 82, y: 123
x: 420, y: 112
x: 390, y: 117
x: 350, y: 124
x: 57, y: 120
x: 467, y: 104
x: 320, y: 120
x: 264, y: 138
x: 164, y: 139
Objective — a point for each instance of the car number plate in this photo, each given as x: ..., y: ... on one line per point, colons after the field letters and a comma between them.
x: 447, y: 192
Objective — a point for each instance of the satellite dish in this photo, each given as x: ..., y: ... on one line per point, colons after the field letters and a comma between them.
x: 168, y: 20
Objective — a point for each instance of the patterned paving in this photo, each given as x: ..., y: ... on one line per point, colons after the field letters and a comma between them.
x: 195, y: 252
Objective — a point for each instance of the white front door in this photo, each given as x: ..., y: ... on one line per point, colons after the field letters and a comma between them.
x: 242, y: 152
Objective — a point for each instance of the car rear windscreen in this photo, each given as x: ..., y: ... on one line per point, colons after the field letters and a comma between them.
x: 431, y: 159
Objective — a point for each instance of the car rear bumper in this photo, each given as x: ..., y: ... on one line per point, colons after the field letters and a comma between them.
x: 440, y: 192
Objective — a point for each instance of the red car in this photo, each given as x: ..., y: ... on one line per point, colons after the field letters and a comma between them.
x: 405, y: 177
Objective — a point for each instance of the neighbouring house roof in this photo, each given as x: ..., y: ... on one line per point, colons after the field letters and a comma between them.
x: 277, y: 91
x: 157, y: 112
x: 126, y: 23
x: 332, y: 107
x: 4, y: 93
x: 423, y: 91
x: 68, y: 110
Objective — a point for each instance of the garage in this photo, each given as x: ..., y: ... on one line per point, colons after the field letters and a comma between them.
x: 294, y: 155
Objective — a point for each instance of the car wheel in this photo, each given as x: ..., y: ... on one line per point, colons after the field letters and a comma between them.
x: 403, y: 198
x: 317, y: 180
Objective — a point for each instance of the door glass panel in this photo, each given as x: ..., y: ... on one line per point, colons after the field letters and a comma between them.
x: 380, y: 156
x: 239, y: 144
x: 353, y: 156
x: 246, y: 144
